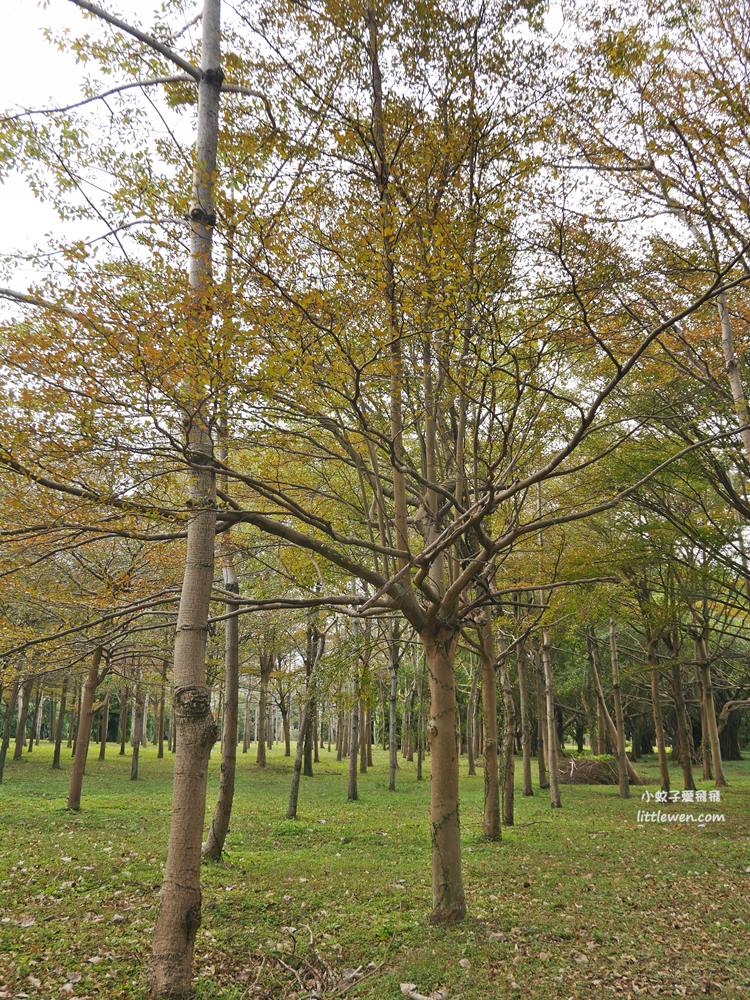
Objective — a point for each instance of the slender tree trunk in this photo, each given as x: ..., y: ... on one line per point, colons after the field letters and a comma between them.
x: 541, y: 713
x: 73, y: 714
x: 353, y: 753
x: 681, y: 719
x: 701, y: 655
x: 287, y: 733
x: 307, y: 765
x: 705, y: 746
x: 124, y: 699
x: 491, y: 815
x: 8, y: 723
x: 394, y: 652
x: 179, y: 912
x: 60, y: 725
x: 607, y: 724
x: 470, y: 722
x: 84, y: 731
x: 291, y: 812
x: 658, y: 720
x: 138, y: 705
x: 22, y: 714
x: 35, y: 717
x: 362, y: 739
x: 420, y: 726
x: 549, y: 691
x: 260, y: 719
x: 246, y: 727
x: 523, y: 700
x: 217, y: 833
x: 104, y: 725
x: 162, y: 701
x: 622, y: 759
x: 448, y: 901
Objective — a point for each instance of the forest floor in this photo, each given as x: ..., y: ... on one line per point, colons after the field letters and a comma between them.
x: 582, y: 902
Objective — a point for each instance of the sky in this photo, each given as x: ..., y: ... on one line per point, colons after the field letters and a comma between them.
x: 35, y: 74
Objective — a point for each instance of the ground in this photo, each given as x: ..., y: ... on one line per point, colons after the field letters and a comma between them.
x: 581, y: 902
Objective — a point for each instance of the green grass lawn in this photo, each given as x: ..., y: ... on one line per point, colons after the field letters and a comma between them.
x: 580, y: 902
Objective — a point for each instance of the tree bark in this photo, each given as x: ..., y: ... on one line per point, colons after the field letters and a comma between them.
x: 658, y: 720
x: 60, y: 725
x: 681, y: 719
x: 549, y: 691
x: 541, y: 712
x: 622, y: 759
x: 162, y: 701
x: 394, y: 655
x: 266, y: 664
x: 179, y: 912
x: 22, y: 714
x: 124, y: 699
x: 291, y: 812
x: 448, y: 901
x: 34, y: 735
x: 491, y: 814
x: 701, y: 655
x: 246, y: 726
x: 104, y: 725
x: 523, y: 700
x: 470, y: 721
x: 138, y: 705
x: 84, y: 731
x: 352, y: 792
x: 217, y: 833
x: 7, y: 724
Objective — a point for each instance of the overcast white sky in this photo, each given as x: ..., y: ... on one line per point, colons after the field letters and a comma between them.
x: 34, y: 74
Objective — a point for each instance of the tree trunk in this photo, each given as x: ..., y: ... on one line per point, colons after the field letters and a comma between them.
x: 266, y: 661
x: 138, y: 705
x: 523, y: 700
x: 394, y: 652
x: 448, y: 901
x: 291, y: 812
x: 217, y: 833
x: 658, y: 721
x: 608, y: 725
x: 622, y: 760
x: 701, y: 655
x: 683, y: 737
x: 22, y: 714
x: 34, y: 735
x: 8, y: 722
x: 73, y: 713
x: 60, y: 725
x: 179, y: 912
x: 246, y: 727
x: 353, y: 753
x: 491, y: 815
x: 470, y: 721
x: 541, y: 712
x: 52, y: 718
x: 104, y: 726
x: 162, y: 701
x: 84, y: 731
x: 124, y: 699
x: 705, y: 747
x: 549, y: 691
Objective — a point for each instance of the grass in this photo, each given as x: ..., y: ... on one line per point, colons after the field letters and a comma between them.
x: 580, y: 902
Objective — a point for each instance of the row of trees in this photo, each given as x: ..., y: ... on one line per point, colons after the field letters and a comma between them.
x: 455, y: 368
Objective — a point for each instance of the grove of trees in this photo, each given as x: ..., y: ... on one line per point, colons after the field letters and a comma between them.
x: 396, y: 396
